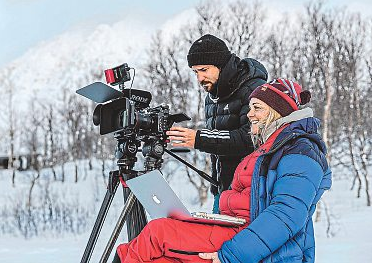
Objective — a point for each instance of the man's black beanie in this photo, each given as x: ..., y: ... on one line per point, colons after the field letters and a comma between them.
x: 208, y: 50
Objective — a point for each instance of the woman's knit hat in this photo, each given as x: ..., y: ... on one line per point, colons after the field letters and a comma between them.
x: 208, y: 50
x: 283, y: 95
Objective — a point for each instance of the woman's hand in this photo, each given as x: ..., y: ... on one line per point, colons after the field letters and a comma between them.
x: 213, y: 256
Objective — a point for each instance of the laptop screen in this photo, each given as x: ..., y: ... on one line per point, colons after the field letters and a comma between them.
x: 156, y: 196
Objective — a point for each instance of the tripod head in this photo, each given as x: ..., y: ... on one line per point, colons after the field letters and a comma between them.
x: 126, y: 151
x: 127, y: 147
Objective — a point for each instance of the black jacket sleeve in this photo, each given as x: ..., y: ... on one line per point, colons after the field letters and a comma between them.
x: 235, y: 142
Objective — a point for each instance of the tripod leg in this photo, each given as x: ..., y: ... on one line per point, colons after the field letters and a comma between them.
x: 114, y: 182
x: 136, y: 219
x: 131, y: 200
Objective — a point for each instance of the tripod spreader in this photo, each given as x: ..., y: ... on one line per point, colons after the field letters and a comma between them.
x: 201, y: 173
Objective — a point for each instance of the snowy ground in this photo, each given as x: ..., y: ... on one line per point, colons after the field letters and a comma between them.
x: 351, y: 224
x: 351, y: 229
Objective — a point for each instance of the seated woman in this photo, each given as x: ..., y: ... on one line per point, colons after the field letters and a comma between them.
x: 276, y: 189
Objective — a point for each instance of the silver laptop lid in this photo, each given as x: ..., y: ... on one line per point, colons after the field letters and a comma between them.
x: 156, y: 196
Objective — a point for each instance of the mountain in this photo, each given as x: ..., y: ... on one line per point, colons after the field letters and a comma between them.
x: 72, y: 57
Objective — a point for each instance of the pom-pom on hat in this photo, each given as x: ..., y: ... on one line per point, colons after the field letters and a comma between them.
x: 208, y: 50
x: 283, y: 95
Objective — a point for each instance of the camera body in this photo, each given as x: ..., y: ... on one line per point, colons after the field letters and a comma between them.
x: 127, y: 111
x: 153, y: 120
x: 124, y: 114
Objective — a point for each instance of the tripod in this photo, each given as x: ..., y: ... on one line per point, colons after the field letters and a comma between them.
x: 133, y: 212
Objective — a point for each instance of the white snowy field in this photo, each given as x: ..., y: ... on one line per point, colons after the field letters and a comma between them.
x: 351, y: 225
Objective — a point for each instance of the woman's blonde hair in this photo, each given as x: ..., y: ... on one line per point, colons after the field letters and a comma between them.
x: 273, y: 116
x: 257, y: 139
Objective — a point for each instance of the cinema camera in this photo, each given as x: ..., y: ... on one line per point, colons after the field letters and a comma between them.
x: 127, y: 114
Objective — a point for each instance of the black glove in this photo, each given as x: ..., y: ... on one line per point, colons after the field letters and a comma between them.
x: 214, y: 190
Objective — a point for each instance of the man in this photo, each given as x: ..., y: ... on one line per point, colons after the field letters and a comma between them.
x: 229, y: 81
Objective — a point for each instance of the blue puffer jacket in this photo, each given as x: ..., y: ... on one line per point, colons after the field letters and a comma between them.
x: 287, y: 183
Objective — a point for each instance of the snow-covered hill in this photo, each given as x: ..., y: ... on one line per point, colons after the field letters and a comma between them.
x: 50, y: 66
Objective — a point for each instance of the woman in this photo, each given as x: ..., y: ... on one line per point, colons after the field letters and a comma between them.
x: 275, y: 189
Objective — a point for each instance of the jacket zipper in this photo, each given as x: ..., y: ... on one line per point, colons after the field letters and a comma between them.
x: 183, y: 252
x: 214, y: 117
x: 244, y: 168
x: 255, y: 177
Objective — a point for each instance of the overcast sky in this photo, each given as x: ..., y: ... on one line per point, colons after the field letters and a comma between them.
x: 25, y: 23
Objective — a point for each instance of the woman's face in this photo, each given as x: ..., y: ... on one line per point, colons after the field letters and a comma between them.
x: 257, y: 115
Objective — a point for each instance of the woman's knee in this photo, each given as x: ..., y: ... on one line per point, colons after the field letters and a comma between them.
x: 157, y: 223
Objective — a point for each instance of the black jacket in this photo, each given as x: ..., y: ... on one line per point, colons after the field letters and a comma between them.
x: 226, y: 135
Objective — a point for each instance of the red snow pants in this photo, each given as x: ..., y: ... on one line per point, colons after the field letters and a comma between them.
x: 167, y: 240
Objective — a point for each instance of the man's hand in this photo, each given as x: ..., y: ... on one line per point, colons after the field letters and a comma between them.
x: 184, y: 137
x: 212, y: 256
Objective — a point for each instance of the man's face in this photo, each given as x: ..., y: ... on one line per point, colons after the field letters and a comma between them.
x: 207, y: 75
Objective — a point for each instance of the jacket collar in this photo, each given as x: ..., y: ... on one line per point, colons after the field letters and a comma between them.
x: 234, y: 74
x: 294, y: 116
x: 305, y: 127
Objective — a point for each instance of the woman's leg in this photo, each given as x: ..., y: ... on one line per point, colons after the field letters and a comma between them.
x: 171, y: 238
x: 158, y: 260
x: 166, y: 260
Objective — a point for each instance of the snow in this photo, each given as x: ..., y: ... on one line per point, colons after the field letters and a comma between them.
x: 351, y: 224
x: 351, y: 227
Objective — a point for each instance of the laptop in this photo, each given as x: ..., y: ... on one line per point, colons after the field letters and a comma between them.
x: 159, y: 200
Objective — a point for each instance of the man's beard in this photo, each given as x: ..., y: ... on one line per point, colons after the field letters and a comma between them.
x: 210, y: 86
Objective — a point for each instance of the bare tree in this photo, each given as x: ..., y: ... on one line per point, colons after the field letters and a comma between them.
x: 319, y: 50
x: 10, y: 117
x: 166, y: 74
x: 51, y: 141
x: 279, y: 48
x: 242, y: 27
x: 32, y: 143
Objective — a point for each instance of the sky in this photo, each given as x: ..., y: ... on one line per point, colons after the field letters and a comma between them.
x: 25, y: 23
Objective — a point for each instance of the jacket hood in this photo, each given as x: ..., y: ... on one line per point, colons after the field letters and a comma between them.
x: 254, y: 71
x: 306, y: 127
x: 238, y: 72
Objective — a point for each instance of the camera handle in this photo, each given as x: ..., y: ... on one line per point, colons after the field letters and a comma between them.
x: 199, y: 172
